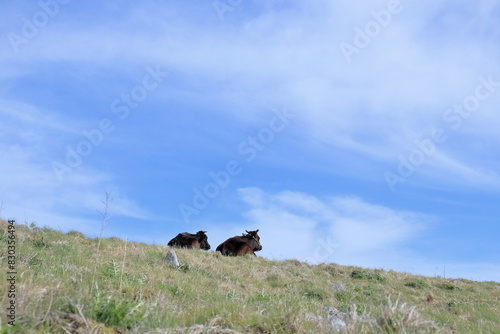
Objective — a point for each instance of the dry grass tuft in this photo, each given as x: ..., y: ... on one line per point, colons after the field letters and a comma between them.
x: 398, y: 315
x: 66, y: 322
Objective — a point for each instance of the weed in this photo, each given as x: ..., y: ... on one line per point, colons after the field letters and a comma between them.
x: 117, y: 311
x: 10, y: 329
x: 40, y: 242
x: 34, y: 261
x: 111, y: 270
x: 176, y: 290
x: 185, y: 267
x: 310, y: 293
x: 76, y: 234
x: 417, y: 284
x: 360, y: 274
x: 448, y: 286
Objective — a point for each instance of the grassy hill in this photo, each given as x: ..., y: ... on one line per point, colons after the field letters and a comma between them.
x: 67, y: 283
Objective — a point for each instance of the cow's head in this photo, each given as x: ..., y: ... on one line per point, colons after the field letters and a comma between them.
x: 203, y: 240
x: 254, y: 240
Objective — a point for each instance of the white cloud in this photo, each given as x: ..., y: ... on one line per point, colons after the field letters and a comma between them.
x: 461, y: 172
x: 348, y: 231
x: 399, y: 81
x: 360, y: 227
x: 336, y: 229
x: 32, y: 189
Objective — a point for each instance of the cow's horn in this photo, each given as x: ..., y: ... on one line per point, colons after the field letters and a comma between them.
x: 247, y: 231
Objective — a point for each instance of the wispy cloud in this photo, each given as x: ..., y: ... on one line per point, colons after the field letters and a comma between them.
x: 32, y: 189
x: 297, y: 223
x: 350, y: 231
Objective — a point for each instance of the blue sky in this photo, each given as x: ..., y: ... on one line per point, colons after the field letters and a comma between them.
x: 356, y: 132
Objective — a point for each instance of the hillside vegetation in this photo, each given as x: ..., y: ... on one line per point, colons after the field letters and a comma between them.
x: 67, y: 283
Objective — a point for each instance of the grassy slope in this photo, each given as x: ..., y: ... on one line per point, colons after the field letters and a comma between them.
x: 64, y: 280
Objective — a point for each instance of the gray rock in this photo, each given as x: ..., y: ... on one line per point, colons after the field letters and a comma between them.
x: 338, y: 287
x: 171, y: 258
x: 336, y: 318
x: 333, y: 311
x: 336, y: 322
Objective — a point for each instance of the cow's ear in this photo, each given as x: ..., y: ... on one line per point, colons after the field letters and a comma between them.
x: 247, y: 231
x: 257, y: 231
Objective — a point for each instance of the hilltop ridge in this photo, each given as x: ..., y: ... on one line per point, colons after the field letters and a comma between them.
x: 66, y: 282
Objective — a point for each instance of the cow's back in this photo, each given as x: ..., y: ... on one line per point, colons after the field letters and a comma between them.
x: 235, y: 246
x: 175, y: 241
x: 184, y: 240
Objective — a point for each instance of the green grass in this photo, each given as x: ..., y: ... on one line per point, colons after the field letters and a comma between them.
x: 66, y: 284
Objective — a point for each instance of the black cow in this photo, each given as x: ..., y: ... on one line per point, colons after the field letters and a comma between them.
x: 188, y: 240
x: 238, y: 246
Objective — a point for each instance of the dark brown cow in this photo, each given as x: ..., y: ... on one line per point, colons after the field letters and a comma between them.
x: 188, y: 240
x: 238, y: 246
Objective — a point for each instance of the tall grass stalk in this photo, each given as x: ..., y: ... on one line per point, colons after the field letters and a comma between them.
x: 104, y: 217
